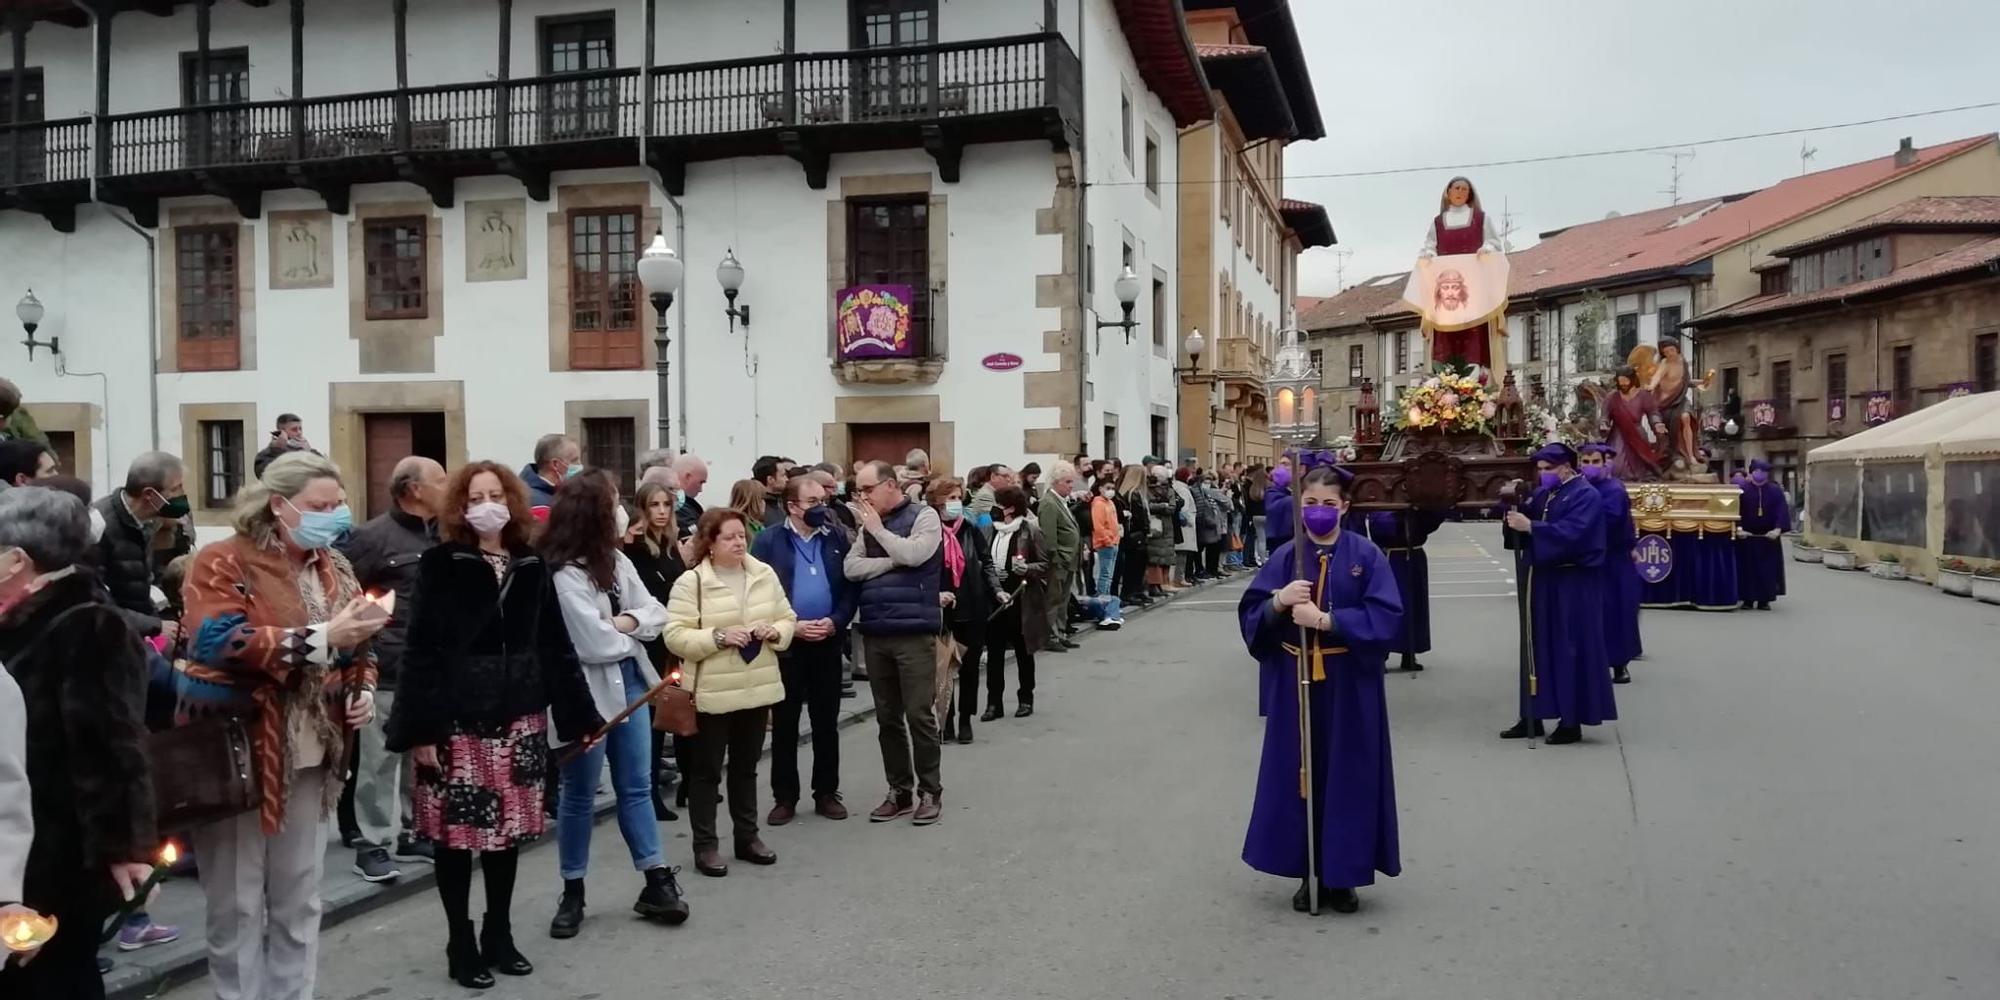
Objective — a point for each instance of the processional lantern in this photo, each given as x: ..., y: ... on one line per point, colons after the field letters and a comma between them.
x: 1293, y: 388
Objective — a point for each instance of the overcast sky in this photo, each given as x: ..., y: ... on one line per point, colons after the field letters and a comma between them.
x: 1464, y: 81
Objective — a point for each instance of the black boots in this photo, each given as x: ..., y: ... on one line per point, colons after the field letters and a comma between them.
x: 1024, y: 709
x: 1621, y: 675
x: 569, y: 910
x: 661, y: 899
x: 496, y: 946
x: 1521, y: 730
x: 1337, y: 900
x: 464, y: 963
x: 1565, y: 734
x: 992, y: 712
x: 1410, y: 664
x: 964, y: 729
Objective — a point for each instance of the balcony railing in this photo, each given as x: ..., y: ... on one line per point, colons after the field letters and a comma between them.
x: 917, y: 83
x: 1241, y: 356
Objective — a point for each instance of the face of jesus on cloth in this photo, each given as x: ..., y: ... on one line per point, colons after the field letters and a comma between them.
x: 1451, y: 294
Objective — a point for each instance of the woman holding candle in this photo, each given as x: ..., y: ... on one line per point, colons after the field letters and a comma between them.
x: 610, y: 616
x: 82, y: 678
x: 487, y: 658
x: 278, y: 631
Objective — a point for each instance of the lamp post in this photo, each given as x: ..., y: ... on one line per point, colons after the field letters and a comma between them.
x: 1192, y: 346
x: 660, y: 273
x: 30, y: 312
x: 1127, y: 289
x: 729, y: 274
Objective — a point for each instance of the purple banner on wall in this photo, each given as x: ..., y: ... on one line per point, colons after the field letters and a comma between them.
x: 1763, y: 413
x: 1878, y: 409
x: 1957, y: 389
x: 873, y: 321
x: 1836, y: 409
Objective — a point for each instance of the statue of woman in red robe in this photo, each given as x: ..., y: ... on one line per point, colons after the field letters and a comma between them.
x: 1461, y: 227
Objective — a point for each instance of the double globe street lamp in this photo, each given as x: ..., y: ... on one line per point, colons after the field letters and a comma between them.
x: 660, y: 274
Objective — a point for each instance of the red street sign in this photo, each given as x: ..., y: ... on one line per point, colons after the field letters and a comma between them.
x: 1002, y: 362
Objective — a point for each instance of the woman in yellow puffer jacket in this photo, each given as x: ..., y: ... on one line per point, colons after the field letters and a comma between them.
x: 727, y: 620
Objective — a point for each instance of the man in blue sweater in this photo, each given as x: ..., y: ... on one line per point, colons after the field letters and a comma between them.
x: 807, y: 553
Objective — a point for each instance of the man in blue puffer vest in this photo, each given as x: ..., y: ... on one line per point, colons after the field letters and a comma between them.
x: 897, y: 561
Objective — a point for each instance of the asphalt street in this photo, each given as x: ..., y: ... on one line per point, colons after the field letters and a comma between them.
x: 1794, y: 804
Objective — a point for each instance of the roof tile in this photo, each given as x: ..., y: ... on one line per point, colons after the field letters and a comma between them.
x: 1353, y: 306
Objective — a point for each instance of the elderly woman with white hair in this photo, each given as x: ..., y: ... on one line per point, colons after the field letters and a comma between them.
x: 278, y: 631
x: 82, y: 678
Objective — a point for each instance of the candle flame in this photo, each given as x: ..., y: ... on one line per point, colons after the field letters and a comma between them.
x: 674, y: 676
x: 169, y: 853
x: 21, y: 931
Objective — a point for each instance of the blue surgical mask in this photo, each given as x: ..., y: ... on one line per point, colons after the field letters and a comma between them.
x: 954, y: 509
x: 572, y: 472
x: 817, y: 517
x: 1592, y: 472
x: 318, y: 529
x: 1549, y: 478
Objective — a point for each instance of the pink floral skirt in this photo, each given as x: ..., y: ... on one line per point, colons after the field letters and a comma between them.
x: 486, y: 794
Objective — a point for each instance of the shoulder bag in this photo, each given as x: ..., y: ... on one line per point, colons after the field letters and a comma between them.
x: 673, y: 705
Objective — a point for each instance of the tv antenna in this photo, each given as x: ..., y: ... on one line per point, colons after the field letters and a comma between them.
x: 1806, y: 153
x: 1340, y: 269
x: 1673, y: 188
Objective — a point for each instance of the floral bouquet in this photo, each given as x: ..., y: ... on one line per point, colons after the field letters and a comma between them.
x: 1449, y: 402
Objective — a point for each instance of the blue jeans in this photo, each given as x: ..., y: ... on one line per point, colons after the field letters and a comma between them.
x: 1107, y: 562
x: 1106, y: 608
x: 629, y: 747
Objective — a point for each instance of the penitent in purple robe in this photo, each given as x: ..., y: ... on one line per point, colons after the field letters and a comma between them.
x: 1760, y: 562
x: 1401, y: 536
x: 1621, y: 575
x: 1564, y: 556
x: 1354, y: 784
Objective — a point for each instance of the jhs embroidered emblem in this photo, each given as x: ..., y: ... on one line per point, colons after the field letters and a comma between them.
x: 1354, y: 570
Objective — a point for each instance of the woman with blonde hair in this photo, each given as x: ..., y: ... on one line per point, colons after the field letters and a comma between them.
x: 653, y: 545
x: 278, y: 636
x: 727, y: 621
x: 747, y: 498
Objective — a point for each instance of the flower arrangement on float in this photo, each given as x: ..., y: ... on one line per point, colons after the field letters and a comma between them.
x: 1447, y: 402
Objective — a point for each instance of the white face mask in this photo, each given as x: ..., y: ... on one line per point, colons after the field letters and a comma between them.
x: 488, y: 518
x: 621, y: 520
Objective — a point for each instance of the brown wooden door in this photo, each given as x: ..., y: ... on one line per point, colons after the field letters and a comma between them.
x: 886, y: 442
x: 388, y: 438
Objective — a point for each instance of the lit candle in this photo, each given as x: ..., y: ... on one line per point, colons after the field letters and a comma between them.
x: 169, y: 853
x: 27, y: 931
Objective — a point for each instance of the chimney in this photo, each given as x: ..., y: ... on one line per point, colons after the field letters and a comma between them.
x: 1906, y: 154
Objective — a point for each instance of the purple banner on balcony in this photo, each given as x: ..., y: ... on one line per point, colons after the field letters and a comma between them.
x: 1879, y: 408
x: 1957, y: 389
x: 873, y: 321
x: 1836, y: 409
x: 1711, y: 419
x: 1763, y: 413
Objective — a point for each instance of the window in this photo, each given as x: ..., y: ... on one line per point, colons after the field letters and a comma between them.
x: 1535, y: 387
x: 1902, y: 388
x: 1774, y: 281
x: 1317, y: 359
x: 1732, y: 392
x: 895, y: 85
x: 888, y: 243
x: 1781, y: 391
x: 1089, y: 262
x: 221, y: 462
x: 612, y: 443
x: 1805, y: 272
x: 30, y: 141
x: 604, y: 289
x: 1125, y: 127
x: 1228, y: 192
x: 1985, y: 360
x: 1152, y: 165
x: 225, y: 80
x: 392, y: 251
x: 1161, y: 321
x: 1836, y: 383
x: 205, y: 293
x: 1160, y: 436
x: 1670, y: 321
x: 1874, y: 259
x: 1401, y: 362
x: 1628, y: 337
x: 1356, y: 365
x: 579, y: 44
x: 1534, y: 337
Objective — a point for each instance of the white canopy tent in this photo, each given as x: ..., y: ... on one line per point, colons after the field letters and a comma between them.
x: 1925, y: 487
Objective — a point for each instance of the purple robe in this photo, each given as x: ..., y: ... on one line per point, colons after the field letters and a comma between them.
x: 1564, y: 555
x: 1355, y: 787
x: 1401, y: 536
x: 1704, y: 575
x: 1277, y: 517
x: 1621, y: 575
x: 1760, y: 562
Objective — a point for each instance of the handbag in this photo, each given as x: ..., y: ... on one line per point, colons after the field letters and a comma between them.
x: 673, y: 710
x: 202, y: 773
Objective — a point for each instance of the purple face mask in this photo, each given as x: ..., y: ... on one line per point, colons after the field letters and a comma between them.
x: 1321, y: 520
x: 1549, y: 478
x: 1593, y: 472
x: 1759, y: 477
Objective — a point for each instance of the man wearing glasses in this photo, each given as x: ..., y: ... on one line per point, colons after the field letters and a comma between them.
x: 897, y: 562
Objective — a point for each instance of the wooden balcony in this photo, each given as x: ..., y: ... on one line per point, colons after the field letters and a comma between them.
x: 808, y: 106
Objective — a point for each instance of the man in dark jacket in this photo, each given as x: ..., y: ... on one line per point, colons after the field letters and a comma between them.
x: 1059, y: 529
x: 144, y: 529
x: 773, y: 472
x: 288, y: 436
x: 807, y: 552
x: 557, y: 457
x: 385, y: 552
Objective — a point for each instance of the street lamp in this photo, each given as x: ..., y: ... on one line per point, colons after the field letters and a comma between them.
x: 30, y: 312
x: 729, y: 274
x: 1193, y: 345
x: 660, y: 273
x: 1127, y: 289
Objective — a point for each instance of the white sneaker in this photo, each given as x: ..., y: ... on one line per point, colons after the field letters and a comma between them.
x: 1111, y: 624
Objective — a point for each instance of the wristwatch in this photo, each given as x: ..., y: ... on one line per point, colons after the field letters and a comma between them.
x: 716, y: 634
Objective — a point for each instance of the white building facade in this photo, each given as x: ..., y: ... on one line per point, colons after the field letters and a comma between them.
x: 361, y: 213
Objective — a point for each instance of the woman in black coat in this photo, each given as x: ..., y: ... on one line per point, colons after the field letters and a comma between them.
x: 1135, y: 517
x: 967, y: 596
x: 488, y: 660
x: 653, y: 547
x: 1018, y: 566
x: 82, y: 676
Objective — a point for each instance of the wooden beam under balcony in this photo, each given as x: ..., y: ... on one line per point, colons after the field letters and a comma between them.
x: 533, y: 176
x: 440, y: 186
x: 249, y: 201
x: 810, y: 153
x: 947, y: 147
